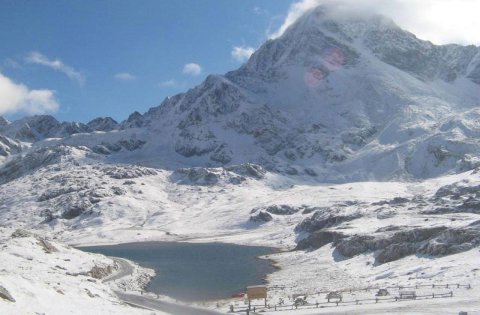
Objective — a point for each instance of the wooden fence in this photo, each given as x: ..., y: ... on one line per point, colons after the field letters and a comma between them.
x: 293, y: 306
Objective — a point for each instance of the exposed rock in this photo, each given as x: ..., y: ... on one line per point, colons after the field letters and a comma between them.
x: 32, y: 161
x: 103, y: 124
x: 118, y: 191
x: 75, y: 207
x: 282, y: 209
x: 54, y: 193
x: 261, y: 217
x: 452, y: 241
x: 135, y: 120
x: 47, y: 246
x: 132, y: 144
x: 128, y: 172
x: 197, y: 176
x: 20, y: 233
x: 309, y: 209
x: 319, y: 239
x: 393, y: 202
x: 4, y: 294
x: 396, y: 251
x: 390, y: 248
x: 211, y: 176
x: 100, y: 272
x: 356, y: 245
x: 101, y: 149
x: 249, y: 170
x: 222, y: 154
x: 311, y: 172
x: 323, y: 219
x: 9, y: 146
x: 3, y: 122
x: 457, y: 190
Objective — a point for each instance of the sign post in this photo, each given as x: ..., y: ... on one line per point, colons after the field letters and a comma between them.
x: 257, y: 292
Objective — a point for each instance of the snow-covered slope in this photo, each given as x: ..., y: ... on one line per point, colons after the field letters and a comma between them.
x: 42, y: 276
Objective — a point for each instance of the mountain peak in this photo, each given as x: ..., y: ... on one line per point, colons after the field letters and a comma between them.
x: 3, y: 122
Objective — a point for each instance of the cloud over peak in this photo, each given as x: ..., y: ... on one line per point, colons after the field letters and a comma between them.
x: 35, y: 57
x: 242, y: 53
x: 18, y: 98
x: 192, y: 69
x: 440, y: 21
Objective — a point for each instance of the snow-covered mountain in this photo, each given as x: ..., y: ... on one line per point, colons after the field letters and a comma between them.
x: 337, y: 96
x: 391, y: 120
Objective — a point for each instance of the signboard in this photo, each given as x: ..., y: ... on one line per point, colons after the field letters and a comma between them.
x: 257, y: 292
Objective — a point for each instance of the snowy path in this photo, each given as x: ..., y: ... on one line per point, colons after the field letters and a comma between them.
x: 155, y: 304
x: 126, y: 269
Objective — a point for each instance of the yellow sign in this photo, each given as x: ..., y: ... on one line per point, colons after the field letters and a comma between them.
x: 257, y: 292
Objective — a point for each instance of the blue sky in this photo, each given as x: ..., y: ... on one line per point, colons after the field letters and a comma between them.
x: 82, y: 59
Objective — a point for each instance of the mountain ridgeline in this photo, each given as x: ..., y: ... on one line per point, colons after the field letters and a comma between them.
x: 337, y: 98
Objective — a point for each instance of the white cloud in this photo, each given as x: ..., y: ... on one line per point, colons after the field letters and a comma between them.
x: 58, y: 65
x: 295, y: 11
x: 18, y: 98
x: 192, y: 69
x: 242, y: 53
x: 124, y: 76
x: 440, y: 21
x: 260, y: 11
x: 168, y: 84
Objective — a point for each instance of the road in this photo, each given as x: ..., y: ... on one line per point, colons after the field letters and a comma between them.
x: 171, y: 308
x: 126, y: 269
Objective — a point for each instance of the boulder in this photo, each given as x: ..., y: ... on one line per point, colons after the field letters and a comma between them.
x: 261, y: 217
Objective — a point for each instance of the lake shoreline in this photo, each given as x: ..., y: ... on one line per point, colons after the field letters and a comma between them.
x: 265, y: 258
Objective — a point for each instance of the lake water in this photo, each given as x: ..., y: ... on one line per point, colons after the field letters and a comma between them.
x: 196, y: 272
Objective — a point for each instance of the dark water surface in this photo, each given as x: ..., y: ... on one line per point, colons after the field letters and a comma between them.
x: 195, y: 272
